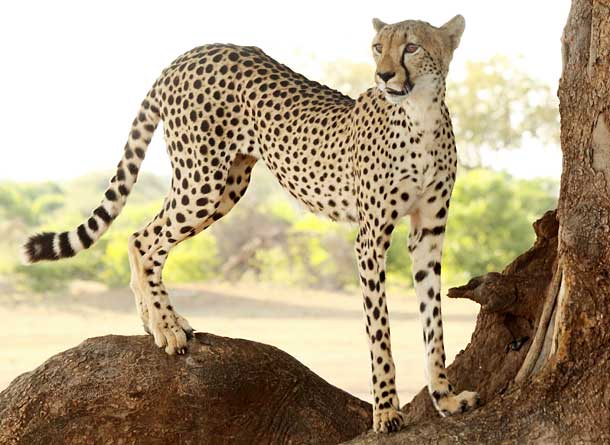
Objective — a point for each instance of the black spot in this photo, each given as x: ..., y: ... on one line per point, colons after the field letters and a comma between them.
x: 434, y: 231
x: 437, y: 268
x: 133, y: 169
x: 372, y: 285
x: 92, y: 223
x: 420, y: 275
x: 110, y: 195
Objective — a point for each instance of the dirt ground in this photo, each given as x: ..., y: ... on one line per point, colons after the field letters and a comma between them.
x: 323, y: 330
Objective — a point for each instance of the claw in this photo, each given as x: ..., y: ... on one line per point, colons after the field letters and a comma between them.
x: 388, y: 421
x: 463, y: 406
x: 189, y: 333
x: 147, y: 330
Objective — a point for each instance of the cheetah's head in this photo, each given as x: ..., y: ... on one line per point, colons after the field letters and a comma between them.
x: 413, y: 51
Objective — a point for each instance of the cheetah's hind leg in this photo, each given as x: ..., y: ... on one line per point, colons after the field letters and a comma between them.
x: 149, y: 248
x: 138, y: 247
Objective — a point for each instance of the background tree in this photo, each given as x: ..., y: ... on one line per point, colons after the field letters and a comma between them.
x: 497, y: 105
x: 349, y: 77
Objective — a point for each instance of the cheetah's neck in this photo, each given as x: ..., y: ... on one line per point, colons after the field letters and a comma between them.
x: 424, y: 103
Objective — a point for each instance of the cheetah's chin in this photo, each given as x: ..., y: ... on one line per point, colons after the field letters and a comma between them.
x: 396, y: 98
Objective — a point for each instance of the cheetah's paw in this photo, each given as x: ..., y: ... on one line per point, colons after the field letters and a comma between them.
x: 388, y: 420
x: 171, y: 332
x: 185, y: 325
x: 449, y: 404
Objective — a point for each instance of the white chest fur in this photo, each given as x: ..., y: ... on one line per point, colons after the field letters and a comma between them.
x: 425, y: 116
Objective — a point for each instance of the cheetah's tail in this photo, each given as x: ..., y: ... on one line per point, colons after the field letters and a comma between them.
x: 55, y: 246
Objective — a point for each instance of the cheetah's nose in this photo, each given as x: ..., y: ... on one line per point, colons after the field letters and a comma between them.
x: 385, y: 76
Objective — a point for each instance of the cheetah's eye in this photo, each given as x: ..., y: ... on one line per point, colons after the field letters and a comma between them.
x: 411, y: 48
x: 377, y: 48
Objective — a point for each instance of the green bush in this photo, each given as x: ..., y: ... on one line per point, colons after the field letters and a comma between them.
x: 490, y: 221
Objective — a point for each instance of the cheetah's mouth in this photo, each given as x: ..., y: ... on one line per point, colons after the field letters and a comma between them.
x: 397, y: 95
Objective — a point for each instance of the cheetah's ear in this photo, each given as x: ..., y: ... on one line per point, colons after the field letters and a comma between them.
x: 454, y: 29
x: 378, y: 24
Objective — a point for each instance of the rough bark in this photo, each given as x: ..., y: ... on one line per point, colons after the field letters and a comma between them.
x: 583, y: 312
x: 124, y: 390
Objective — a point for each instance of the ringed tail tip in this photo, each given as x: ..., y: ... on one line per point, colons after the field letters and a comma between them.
x: 38, y: 247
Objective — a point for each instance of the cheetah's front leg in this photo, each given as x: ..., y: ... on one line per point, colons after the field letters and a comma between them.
x: 425, y: 244
x: 371, y: 264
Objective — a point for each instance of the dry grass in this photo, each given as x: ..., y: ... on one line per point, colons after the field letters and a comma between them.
x: 323, y: 330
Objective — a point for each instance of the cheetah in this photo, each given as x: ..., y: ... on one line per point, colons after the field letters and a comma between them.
x: 371, y: 161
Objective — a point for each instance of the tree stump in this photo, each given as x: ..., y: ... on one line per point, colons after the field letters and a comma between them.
x: 124, y: 390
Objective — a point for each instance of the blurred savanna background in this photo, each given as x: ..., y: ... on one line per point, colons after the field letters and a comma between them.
x: 269, y: 271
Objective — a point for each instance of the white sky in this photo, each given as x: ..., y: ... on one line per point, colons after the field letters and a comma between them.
x: 72, y: 74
